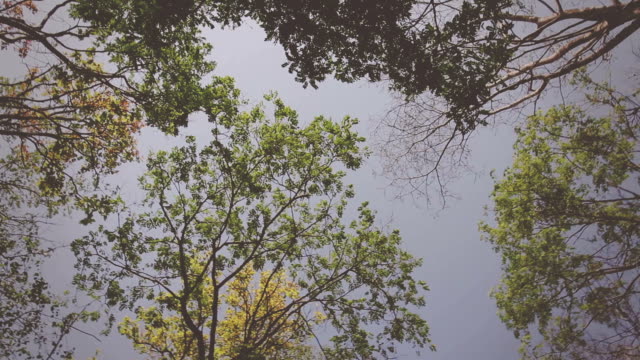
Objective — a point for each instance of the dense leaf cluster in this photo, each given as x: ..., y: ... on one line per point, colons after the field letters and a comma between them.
x: 396, y: 40
x: 567, y: 229
x: 265, y: 194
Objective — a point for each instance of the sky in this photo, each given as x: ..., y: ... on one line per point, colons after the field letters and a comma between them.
x: 459, y: 267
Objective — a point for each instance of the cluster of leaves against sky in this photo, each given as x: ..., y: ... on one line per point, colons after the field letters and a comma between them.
x: 271, y: 194
x: 263, y: 194
x: 567, y: 230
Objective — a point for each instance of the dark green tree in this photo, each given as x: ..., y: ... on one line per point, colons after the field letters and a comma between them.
x: 267, y: 194
x: 567, y: 214
x: 487, y: 58
x: 468, y: 54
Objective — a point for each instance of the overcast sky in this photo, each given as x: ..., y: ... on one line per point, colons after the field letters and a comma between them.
x: 459, y: 268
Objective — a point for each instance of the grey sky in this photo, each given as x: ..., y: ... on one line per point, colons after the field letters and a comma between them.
x: 459, y: 268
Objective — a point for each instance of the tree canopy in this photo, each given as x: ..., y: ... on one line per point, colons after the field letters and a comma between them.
x: 470, y: 55
x: 252, y: 319
x: 97, y: 83
x: 71, y: 118
x: 266, y: 196
x: 567, y: 230
x: 467, y: 53
x: 262, y: 194
x: 498, y: 58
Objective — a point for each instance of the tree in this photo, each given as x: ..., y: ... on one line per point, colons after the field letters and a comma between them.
x: 468, y: 54
x: 251, y: 312
x: 71, y: 111
x: 471, y: 56
x: 486, y: 58
x: 567, y: 230
x: 113, y: 66
x: 70, y: 119
x: 261, y: 194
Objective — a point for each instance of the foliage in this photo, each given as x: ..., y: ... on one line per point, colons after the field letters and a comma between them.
x: 251, y: 312
x: 453, y: 54
x: 262, y: 194
x: 506, y: 56
x: 72, y: 110
x: 567, y: 229
x: 69, y: 119
x: 468, y: 54
x: 35, y: 182
x: 23, y: 292
x: 476, y: 58
x: 109, y: 67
